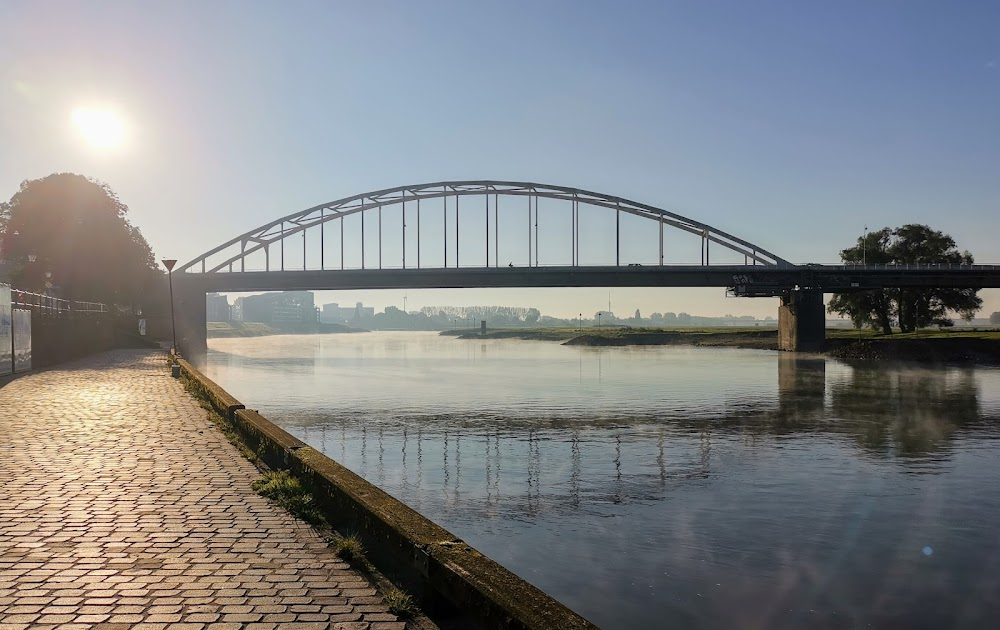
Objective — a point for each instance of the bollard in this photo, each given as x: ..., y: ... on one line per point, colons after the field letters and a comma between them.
x: 175, y: 370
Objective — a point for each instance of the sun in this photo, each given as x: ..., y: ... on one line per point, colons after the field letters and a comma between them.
x: 102, y: 128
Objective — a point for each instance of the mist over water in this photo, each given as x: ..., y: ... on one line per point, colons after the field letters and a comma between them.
x: 667, y: 486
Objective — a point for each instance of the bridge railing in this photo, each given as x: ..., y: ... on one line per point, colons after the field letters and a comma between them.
x: 827, y: 266
x: 915, y: 266
x: 49, y: 306
x: 384, y: 267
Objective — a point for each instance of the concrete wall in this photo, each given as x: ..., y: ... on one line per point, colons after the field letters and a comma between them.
x: 56, y: 340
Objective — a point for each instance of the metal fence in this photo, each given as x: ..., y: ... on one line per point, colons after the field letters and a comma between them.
x: 48, y: 306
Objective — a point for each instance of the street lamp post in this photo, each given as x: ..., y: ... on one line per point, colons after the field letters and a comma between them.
x: 864, y: 247
x: 169, y: 264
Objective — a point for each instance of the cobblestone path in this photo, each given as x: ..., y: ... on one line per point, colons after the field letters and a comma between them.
x: 121, y: 506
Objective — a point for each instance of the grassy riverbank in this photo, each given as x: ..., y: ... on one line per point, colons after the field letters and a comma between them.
x: 257, y: 329
x: 941, y: 346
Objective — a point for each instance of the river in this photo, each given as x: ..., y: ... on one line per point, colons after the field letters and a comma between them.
x: 663, y: 486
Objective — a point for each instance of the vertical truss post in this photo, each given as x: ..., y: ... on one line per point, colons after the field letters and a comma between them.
x: 444, y: 230
x: 380, y: 237
x: 618, y: 240
x: 267, y: 257
x: 707, y: 244
x: 496, y: 230
x: 404, y: 230
x: 282, y: 245
x: 362, y: 213
x: 303, y: 250
x: 487, y: 195
x: 537, y: 244
x: 418, y: 232
x: 577, y: 233
x: 529, y: 230
x: 322, y: 245
x: 243, y: 258
x: 572, y: 232
x: 661, y: 240
x: 203, y: 265
x: 341, y: 242
x: 456, y: 230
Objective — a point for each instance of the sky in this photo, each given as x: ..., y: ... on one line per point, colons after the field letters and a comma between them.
x: 792, y: 125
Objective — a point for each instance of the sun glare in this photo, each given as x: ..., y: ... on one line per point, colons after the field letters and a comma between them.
x: 102, y: 128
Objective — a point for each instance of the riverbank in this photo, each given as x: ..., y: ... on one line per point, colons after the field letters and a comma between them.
x: 928, y: 346
x: 258, y: 329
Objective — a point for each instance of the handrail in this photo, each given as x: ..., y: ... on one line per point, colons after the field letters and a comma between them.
x: 50, y: 306
x: 854, y: 266
x: 653, y: 265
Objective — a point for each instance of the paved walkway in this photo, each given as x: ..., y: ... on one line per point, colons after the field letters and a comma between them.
x: 121, y: 506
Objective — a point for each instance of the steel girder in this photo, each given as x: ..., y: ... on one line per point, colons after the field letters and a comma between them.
x: 277, y: 230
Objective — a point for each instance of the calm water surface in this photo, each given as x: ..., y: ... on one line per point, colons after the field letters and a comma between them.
x: 668, y: 487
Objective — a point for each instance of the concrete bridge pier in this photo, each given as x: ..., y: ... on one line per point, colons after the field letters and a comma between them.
x: 191, y: 319
x: 802, y: 321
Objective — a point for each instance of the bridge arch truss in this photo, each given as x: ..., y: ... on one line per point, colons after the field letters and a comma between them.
x: 232, y: 255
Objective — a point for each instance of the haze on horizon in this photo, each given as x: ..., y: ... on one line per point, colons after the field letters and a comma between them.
x: 789, y: 125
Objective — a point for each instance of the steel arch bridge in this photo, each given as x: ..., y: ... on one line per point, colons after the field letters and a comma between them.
x: 760, y: 273
x: 232, y: 255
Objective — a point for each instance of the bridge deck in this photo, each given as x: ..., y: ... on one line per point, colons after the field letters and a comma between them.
x: 829, y: 278
x: 120, y: 503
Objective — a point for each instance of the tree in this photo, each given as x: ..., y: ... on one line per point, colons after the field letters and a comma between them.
x: 995, y: 318
x: 72, y: 232
x: 908, y: 307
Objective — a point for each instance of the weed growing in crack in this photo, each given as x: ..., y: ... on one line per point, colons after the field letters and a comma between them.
x: 349, y: 548
x: 399, y: 602
x: 287, y: 491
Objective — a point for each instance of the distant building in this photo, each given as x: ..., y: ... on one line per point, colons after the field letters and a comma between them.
x: 333, y: 313
x: 217, y: 307
x: 236, y: 312
x: 284, y: 309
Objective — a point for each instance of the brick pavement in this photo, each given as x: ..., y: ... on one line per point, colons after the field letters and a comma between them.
x: 121, y: 506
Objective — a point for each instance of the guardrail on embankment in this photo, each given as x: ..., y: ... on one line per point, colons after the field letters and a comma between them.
x: 440, y: 571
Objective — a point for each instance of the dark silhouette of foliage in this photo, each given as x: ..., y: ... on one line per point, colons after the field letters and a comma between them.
x: 78, y: 234
x: 908, y: 308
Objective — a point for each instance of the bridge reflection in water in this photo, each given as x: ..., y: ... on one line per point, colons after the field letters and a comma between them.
x: 652, y: 487
x: 488, y: 465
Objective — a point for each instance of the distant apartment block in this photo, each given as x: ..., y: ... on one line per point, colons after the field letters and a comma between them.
x: 287, y: 309
x: 217, y: 307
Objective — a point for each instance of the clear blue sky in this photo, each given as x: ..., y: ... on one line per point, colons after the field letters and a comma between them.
x: 789, y: 124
